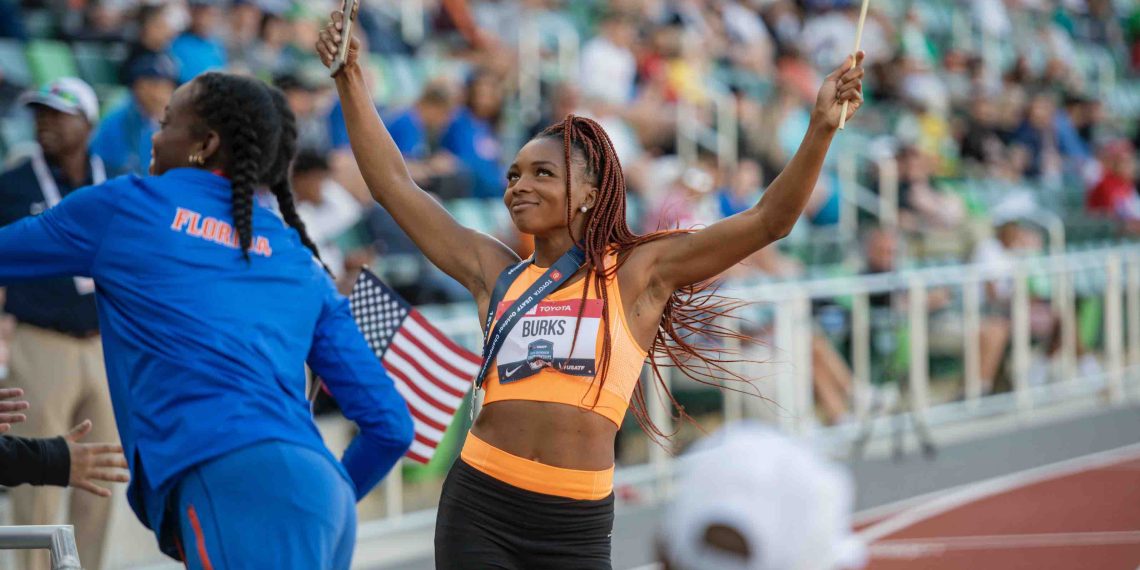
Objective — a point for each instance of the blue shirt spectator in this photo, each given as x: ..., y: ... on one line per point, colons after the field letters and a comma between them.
x: 123, y: 138
x: 469, y: 139
x: 473, y: 141
x: 65, y: 111
x: 197, y: 50
x: 61, y: 304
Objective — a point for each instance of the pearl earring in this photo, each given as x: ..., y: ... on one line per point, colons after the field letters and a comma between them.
x: 583, y: 208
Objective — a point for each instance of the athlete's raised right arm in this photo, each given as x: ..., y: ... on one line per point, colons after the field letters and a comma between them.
x: 471, y: 257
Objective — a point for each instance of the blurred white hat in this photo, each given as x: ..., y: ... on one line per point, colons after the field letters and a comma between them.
x: 791, y: 505
x: 67, y: 95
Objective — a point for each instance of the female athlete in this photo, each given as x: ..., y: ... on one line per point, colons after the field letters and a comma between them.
x: 533, y: 486
x: 210, y: 306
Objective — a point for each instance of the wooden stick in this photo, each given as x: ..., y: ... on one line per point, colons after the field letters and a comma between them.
x: 349, y: 10
x: 854, y: 54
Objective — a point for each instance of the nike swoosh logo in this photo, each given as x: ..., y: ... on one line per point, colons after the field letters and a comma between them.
x: 513, y: 370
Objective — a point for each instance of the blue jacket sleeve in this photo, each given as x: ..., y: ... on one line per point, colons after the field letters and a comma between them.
x: 63, y: 241
x: 365, y: 393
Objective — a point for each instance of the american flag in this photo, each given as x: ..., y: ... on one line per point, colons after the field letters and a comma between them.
x: 430, y: 371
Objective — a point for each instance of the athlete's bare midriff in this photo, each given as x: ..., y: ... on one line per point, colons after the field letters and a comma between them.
x: 552, y: 434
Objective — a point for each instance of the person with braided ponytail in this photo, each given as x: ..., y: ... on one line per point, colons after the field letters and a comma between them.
x: 210, y: 306
x: 569, y: 330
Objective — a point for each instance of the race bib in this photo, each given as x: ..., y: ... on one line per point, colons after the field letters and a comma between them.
x: 543, y: 337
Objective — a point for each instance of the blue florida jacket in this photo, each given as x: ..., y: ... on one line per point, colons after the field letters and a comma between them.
x: 205, y: 352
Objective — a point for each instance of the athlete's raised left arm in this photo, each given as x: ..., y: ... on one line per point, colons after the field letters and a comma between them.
x: 704, y: 254
x: 62, y: 241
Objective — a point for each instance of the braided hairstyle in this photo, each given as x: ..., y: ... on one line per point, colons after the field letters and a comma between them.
x: 234, y: 106
x: 280, y: 175
x: 690, y: 336
x: 258, y: 146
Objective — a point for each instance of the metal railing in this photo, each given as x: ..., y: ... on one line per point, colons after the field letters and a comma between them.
x: 60, y: 540
x: 1110, y: 273
x: 530, y: 65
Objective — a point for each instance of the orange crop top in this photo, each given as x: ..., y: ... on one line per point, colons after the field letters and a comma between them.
x: 535, y: 363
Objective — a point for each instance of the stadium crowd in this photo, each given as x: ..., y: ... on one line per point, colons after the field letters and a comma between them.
x: 990, y: 119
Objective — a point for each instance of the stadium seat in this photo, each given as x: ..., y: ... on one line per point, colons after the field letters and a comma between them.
x: 50, y: 60
x: 14, y: 62
x: 471, y: 212
x: 98, y: 63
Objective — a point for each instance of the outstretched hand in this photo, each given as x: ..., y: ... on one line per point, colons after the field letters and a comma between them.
x: 844, y: 84
x: 329, y: 43
x: 9, y: 411
x: 92, y: 462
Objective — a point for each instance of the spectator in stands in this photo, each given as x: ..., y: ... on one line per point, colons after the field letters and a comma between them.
x: 831, y: 375
x: 751, y: 498
x: 101, y: 22
x: 1049, y: 136
x: 946, y: 333
x: 485, y: 97
x: 997, y: 254
x: 753, y: 47
x: 267, y: 54
x: 920, y: 204
x: 60, y: 461
x: 744, y: 190
x: 246, y: 22
x: 327, y: 209
x: 1085, y: 113
x: 197, y: 49
x: 1115, y: 194
x: 472, y: 138
x: 303, y: 93
x: 152, y: 40
x: 826, y: 35
x: 609, y: 68
x: 56, y: 347
x: 123, y: 139
x: 982, y: 142
x: 689, y: 203
x: 421, y: 133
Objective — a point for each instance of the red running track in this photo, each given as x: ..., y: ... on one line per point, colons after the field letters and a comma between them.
x: 1079, y: 514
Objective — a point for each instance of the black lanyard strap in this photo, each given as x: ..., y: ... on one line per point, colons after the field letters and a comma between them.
x: 555, y: 276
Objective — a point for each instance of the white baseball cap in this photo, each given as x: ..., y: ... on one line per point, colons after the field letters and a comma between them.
x: 791, y: 505
x: 67, y: 95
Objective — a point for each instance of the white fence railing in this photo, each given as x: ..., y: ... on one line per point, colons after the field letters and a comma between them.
x: 60, y: 540
x: 1112, y: 274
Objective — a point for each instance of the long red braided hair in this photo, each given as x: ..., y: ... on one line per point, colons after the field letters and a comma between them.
x: 691, y: 336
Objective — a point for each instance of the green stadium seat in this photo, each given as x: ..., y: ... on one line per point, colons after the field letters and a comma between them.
x: 97, y: 63
x: 14, y: 62
x: 50, y: 60
x: 472, y: 213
